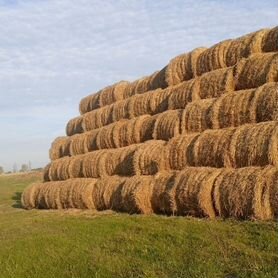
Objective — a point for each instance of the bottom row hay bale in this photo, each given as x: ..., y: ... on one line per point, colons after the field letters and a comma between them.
x: 29, y: 198
x: 72, y: 193
x: 162, y: 201
x: 193, y: 192
x: 245, y: 193
x: 136, y: 195
x: 107, y: 192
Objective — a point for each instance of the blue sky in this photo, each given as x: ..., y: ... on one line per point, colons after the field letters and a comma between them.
x: 53, y: 53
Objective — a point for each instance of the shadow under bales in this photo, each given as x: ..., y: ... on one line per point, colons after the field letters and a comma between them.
x: 17, y: 198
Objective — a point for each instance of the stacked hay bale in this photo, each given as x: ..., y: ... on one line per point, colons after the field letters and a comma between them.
x: 199, y: 138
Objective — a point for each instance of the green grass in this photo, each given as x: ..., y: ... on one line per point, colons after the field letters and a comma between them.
x: 87, y: 244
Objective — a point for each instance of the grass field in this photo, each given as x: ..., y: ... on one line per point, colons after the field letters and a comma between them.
x: 89, y: 244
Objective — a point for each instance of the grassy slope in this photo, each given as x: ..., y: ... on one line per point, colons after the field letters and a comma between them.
x: 86, y: 244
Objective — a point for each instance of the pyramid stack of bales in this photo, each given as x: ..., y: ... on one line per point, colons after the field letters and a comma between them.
x: 199, y: 138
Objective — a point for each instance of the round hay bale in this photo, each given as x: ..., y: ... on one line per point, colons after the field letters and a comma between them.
x: 46, y: 172
x: 193, y: 188
x: 105, y: 138
x: 134, y: 131
x: 257, y: 70
x: 211, y: 149
x: 181, y: 151
x: 130, y: 89
x: 94, y: 164
x: 136, y: 195
x: 244, y: 46
x: 59, y: 169
x: 140, y: 104
x: 87, y: 194
x: 215, y: 83
x: 77, y: 144
x: 212, y: 58
x: 107, y: 193
x: 233, y: 109
x: 83, y: 143
x: 157, y: 80
x: 181, y: 94
x: 90, y: 140
x: 65, y: 194
x: 75, y: 126
x: 196, y: 117
x: 46, y: 196
x: 80, y: 193
x: 265, y: 196
x: 243, y: 193
x: 89, y: 103
x: 119, y: 161
x: 143, y: 85
x: 112, y: 93
x: 270, y: 40
x: 254, y: 145
x: 146, y: 129
x: 162, y: 200
x: 167, y: 125
x: 270, y: 196
x: 150, y: 158
x: 98, y: 118
x: 59, y: 147
x: 91, y: 120
x: 159, y: 101
x: 120, y: 110
x: 182, y: 67
x: 264, y: 105
x: 52, y: 195
x: 75, y: 166
x: 29, y: 196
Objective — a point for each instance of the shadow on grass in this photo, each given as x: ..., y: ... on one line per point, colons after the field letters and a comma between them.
x: 17, y: 197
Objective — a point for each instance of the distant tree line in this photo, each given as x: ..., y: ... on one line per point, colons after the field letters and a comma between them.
x: 25, y: 167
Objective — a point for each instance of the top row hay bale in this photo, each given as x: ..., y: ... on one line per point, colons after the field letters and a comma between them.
x: 270, y: 40
x: 89, y: 103
x: 112, y: 93
x: 122, y: 90
x: 183, y: 67
x: 75, y: 126
x: 227, y: 53
x: 258, y: 69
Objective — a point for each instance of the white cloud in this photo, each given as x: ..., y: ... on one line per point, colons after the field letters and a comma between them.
x: 52, y: 53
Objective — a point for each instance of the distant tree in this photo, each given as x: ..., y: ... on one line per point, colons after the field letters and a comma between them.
x: 15, y: 168
x: 24, y: 168
x: 1, y: 170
